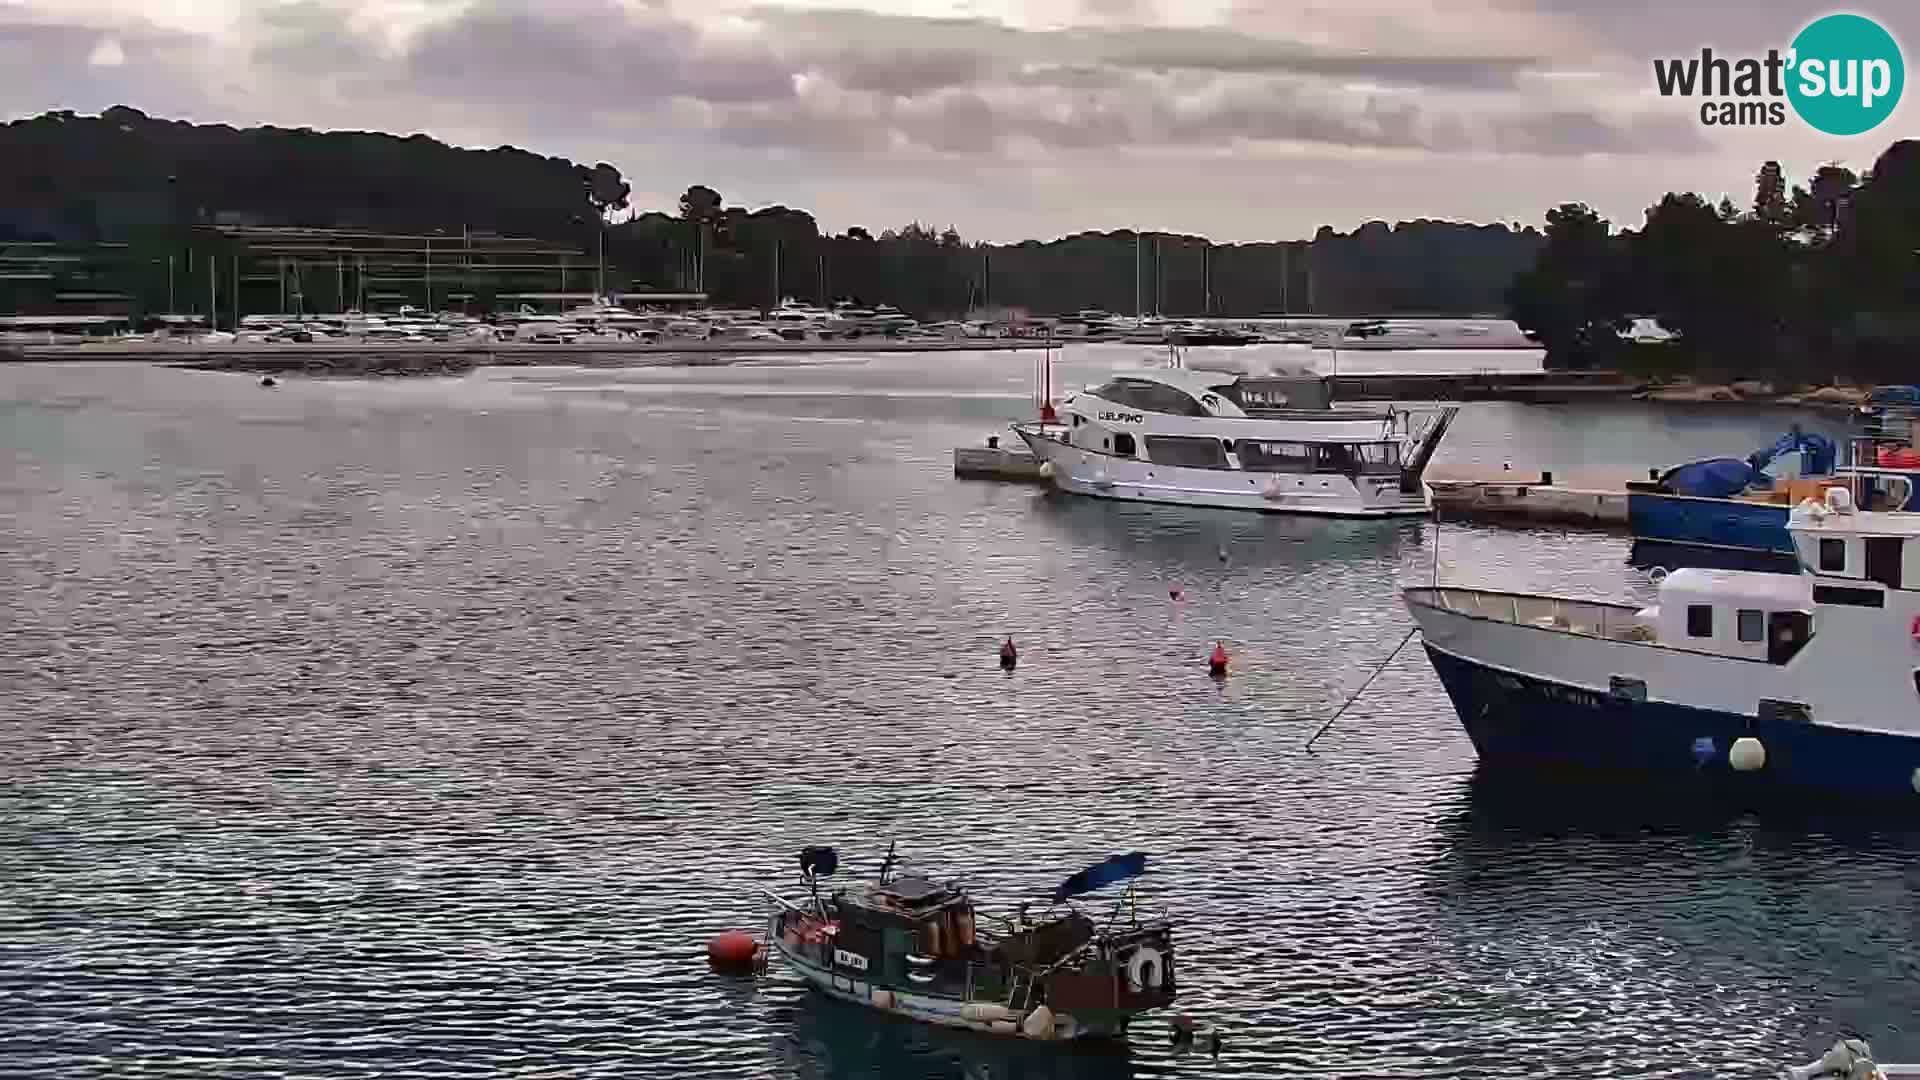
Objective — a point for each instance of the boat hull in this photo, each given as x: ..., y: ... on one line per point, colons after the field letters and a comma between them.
x: 1104, y: 476
x: 1722, y: 524
x: 941, y: 1011
x: 1519, y: 720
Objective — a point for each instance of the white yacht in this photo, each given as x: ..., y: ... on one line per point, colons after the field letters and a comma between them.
x: 1205, y: 438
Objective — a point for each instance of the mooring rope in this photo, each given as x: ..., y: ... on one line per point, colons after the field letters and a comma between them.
x: 1378, y: 668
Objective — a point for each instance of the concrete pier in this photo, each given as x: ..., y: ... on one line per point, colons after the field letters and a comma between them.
x: 996, y: 463
x: 1591, y: 502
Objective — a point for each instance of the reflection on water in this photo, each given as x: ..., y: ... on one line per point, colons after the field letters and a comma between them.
x: 430, y: 728
x: 834, y: 1040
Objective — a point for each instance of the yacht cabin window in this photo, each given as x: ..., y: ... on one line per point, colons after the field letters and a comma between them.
x: 1348, y: 459
x: 1752, y: 625
x: 1193, y: 453
x: 1151, y: 397
x: 1123, y: 444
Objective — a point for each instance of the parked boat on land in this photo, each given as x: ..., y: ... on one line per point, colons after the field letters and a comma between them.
x: 1765, y: 681
x: 915, y: 947
x: 1204, y: 438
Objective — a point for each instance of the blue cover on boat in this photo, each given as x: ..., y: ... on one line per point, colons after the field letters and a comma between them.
x: 1715, y: 478
x: 1101, y: 874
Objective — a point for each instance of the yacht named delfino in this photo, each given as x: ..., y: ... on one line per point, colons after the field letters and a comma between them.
x: 1273, y: 444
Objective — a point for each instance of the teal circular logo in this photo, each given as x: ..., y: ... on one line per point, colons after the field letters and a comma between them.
x: 1846, y: 74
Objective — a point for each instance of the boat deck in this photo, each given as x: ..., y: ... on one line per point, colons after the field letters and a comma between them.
x: 1586, y: 618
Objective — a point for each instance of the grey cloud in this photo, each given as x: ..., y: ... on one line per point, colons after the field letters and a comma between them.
x: 587, y: 54
x: 44, y: 64
x: 842, y: 82
x: 1566, y: 131
x: 997, y: 45
x: 905, y: 72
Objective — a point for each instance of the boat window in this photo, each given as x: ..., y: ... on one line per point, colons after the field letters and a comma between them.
x: 1700, y: 620
x: 1275, y: 456
x: 1841, y: 594
x: 1793, y: 712
x: 1378, y: 457
x: 1833, y: 555
x: 1883, y: 560
x: 1916, y: 680
x: 1336, y: 458
x: 1752, y: 625
x: 1787, y: 631
x: 1151, y: 397
x: 1123, y: 444
x: 1190, y: 452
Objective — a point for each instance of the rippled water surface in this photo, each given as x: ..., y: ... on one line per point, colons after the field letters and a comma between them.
x: 429, y: 728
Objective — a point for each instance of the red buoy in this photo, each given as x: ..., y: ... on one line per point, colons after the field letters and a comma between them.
x: 1217, y: 663
x: 1009, y: 655
x: 733, y: 951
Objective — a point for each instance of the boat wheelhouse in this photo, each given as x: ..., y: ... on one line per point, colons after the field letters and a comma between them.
x: 909, y: 945
x: 1274, y: 444
x: 1807, y: 682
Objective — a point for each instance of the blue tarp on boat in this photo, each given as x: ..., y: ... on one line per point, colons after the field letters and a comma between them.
x: 1715, y: 478
x: 1102, y: 874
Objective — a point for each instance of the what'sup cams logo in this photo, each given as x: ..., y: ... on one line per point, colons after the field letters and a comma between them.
x: 1843, y: 75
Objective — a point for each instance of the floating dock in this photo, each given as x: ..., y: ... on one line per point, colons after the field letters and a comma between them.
x: 1531, y: 504
x: 994, y: 462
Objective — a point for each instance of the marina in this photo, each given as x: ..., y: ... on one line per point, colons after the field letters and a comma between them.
x: 461, y: 713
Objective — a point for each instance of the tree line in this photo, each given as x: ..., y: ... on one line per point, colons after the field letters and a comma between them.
x: 125, y: 177
x: 1809, y: 280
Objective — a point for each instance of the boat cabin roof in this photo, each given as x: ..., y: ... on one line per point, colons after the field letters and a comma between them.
x: 1778, y: 592
x: 908, y: 897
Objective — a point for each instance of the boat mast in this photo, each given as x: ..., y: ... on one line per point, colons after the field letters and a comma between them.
x: 1206, y: 279
x: 1136, y: 277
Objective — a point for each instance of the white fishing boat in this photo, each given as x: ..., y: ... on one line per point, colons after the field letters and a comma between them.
x: 1206, y: 438
x: 1738, y: 678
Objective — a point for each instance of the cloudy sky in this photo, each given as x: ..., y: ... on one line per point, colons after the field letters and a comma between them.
x: 1237, y: 119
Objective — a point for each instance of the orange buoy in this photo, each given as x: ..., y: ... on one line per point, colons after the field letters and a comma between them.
x: 732, y: 951
x: 1217, y: 663
x: 1009, y: 655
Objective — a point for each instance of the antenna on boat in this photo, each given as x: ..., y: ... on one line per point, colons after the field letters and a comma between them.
x: 887, y: 866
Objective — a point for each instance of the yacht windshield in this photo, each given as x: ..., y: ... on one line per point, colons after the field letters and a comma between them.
x: 1150, y: 397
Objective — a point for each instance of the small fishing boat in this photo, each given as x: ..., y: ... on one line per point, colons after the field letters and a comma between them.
x: 915, y: 947
x: 1754, y: 681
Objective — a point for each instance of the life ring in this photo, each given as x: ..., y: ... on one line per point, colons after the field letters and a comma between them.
x: 1146, y: 970
x: 1914, y: 629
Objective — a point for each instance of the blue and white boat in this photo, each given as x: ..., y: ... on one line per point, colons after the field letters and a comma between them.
x: 1733, y: 508
x: 1756, y: 679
